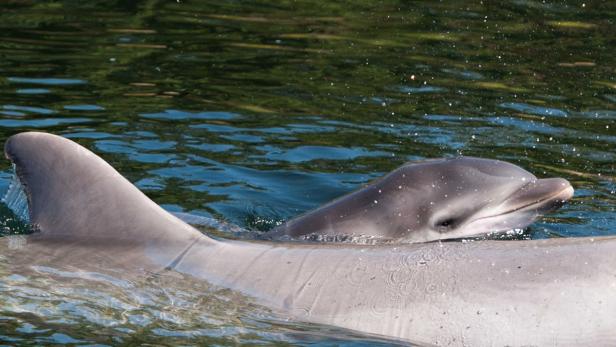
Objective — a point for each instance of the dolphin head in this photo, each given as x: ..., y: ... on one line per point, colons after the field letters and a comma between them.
x: 465, y: 196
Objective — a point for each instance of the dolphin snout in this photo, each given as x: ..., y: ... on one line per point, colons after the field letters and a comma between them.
x: 566, y: 191
x: 545, y: 193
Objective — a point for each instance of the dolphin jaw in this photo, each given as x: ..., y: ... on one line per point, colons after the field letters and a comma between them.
x: 560, y: 196
x: 506, y: 217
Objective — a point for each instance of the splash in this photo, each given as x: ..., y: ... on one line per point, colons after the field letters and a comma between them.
x: 356, y: 239
x: 513, y: 234
x: 217, y: 227
x: 16, y: 199
x: 14, y: 214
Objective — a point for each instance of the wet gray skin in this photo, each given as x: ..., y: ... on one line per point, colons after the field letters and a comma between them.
x: 533, y: 292
x: 434, y: 200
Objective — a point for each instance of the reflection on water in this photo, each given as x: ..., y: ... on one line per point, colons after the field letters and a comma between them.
x: 252, y: 113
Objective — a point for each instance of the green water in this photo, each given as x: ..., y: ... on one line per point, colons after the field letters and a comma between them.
x: 254, y: 112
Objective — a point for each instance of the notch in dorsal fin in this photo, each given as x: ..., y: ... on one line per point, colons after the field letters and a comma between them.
x: 74, y: 194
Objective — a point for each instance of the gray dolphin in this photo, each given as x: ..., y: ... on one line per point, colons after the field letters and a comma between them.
x: 539, y: 292
x: 436, y: 199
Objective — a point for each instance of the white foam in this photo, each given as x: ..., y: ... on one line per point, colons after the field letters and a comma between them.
x: 212, y: 223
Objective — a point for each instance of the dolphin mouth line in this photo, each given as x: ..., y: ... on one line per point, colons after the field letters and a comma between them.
x: 536, y: 202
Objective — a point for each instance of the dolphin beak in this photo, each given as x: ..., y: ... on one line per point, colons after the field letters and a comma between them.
x: 543, y: 195
x: 521, y: 208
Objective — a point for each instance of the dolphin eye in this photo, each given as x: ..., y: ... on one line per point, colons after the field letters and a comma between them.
x: 445, y: 224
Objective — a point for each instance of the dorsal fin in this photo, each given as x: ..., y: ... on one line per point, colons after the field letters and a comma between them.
x: 74, y: 194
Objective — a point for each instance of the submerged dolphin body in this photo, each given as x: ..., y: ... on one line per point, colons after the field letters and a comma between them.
x: 540, y: 292
x: 436, y: 199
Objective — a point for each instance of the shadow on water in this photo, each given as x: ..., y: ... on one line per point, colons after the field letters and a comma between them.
x: 253, y: 113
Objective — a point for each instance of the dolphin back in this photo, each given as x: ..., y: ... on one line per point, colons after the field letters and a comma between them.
x: 74, y: 194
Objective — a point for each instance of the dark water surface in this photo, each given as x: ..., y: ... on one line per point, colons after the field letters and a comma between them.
x: 254, y: 112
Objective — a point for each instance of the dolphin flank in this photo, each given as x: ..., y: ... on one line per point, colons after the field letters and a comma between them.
x: 538, y: 292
